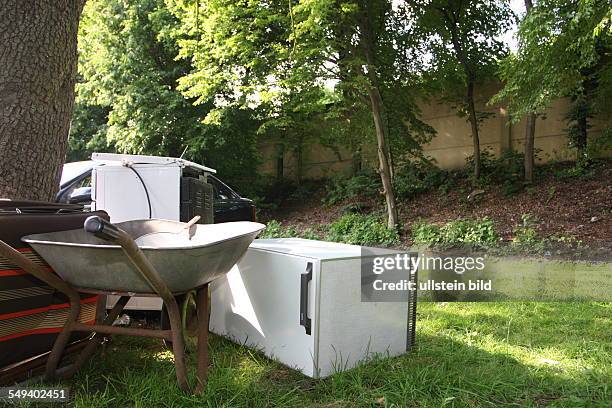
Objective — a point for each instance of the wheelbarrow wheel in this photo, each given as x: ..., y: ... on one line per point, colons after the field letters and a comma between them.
x: 188, y: 307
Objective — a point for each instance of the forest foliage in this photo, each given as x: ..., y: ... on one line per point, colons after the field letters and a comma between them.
x: 212, y: 79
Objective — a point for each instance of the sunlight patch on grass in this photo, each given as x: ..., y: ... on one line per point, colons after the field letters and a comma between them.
x: 249, y: 368
x: 164, y: 355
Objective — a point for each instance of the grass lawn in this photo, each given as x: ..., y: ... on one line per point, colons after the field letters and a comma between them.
x: 468, y: 354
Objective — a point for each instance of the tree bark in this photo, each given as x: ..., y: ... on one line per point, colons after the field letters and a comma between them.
x: 529, y: 146
x: 356, y: 161
x: 582, y: 125
x: 377, y: 108
x: 453, y: 27
x: 38, y: 64
x: 474, y: 124
x: 383, y: 159
x: 299, y: 159
x: 529, y: 129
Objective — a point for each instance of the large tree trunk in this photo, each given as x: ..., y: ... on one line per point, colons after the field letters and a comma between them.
x: 529, y: 129
x: 529, y: 146
x: 38, y: 63
x: 474, y: 124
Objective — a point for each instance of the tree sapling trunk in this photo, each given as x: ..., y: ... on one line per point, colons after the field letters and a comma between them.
x: 529, y: 129
x: 377, y: 109
x: 581, y: 139
x: 383, y: 158
x: 452, y: 26
x: 529, y: 146
x: 474, y: 125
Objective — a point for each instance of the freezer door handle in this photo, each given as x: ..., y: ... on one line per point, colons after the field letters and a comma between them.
x: 305, y: 279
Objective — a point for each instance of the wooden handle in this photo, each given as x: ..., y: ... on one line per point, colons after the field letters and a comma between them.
x: 192, y: 221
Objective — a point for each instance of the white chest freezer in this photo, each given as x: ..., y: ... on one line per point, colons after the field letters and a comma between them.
x: 299, y: 301
x: 136, y: 187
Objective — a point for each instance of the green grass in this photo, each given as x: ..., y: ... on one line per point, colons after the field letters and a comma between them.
x: 467, y: 355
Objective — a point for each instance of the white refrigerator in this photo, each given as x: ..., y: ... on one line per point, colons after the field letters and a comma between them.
x: 299, y: 301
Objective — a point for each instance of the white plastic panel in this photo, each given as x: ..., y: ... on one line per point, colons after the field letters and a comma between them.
x: 313, y: 249
x: 258, y: 303
x: 308, y: 248
x: 137, y: 158
x: 349, y: 330
x: 119, y: 192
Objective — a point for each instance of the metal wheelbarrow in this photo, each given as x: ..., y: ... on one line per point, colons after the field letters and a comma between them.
x: 135, y: 258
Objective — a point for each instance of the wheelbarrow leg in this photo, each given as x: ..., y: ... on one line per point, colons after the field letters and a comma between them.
x: 61, y: 341
x: 101, y: 309
x: 178, y: 343
x: 105, y: 230
x: 202, y: 354
x: 95, y: 341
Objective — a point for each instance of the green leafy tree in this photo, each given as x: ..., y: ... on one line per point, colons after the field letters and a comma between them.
x: 87, y: 131
x: 461, y: 40
x: 278, y: 54
x: 351, y: 42
x: 564, y: 51
x: 297, y: 120
x: 128, y: 99
x: 128, y: 66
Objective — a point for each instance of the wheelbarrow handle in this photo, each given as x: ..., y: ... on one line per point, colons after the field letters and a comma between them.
x: 101, y: 228
x: 107, y: 231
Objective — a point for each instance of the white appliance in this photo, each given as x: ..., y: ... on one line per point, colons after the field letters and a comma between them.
x: 299, y: 301
x: 133, y: 187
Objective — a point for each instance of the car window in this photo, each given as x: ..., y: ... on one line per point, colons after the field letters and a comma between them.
x: 67, y: 194
x: 72, y: 170
x: 220, y: 191
x: 86, y: 182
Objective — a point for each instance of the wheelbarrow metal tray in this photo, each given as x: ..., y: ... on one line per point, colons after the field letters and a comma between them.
x: 87, y: 262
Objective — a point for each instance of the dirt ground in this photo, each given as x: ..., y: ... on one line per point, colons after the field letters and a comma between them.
x: 579, y: 207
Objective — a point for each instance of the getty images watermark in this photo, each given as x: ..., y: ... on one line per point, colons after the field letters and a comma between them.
x: 391, y: 276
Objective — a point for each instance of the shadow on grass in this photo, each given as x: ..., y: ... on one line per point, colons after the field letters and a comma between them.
x: 440, y: 371
x: 445, y: 372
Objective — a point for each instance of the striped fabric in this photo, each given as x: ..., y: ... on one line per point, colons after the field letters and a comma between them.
x: 48, y: 319
x: 31, y: 312
x: 8, y: 269
x: 10, y: 294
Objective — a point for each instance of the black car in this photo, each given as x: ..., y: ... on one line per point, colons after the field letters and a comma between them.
x: 75, y: 188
